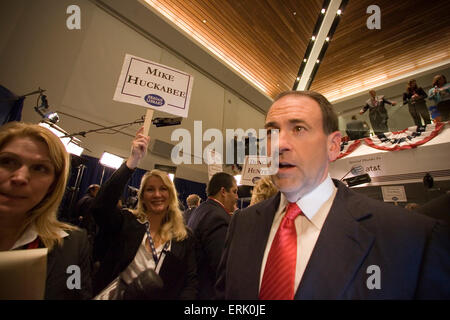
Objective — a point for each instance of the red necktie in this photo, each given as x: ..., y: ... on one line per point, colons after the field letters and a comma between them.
x: 279, y: 273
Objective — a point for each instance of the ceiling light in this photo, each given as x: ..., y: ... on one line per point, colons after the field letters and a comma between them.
x: 313, y: 38
x: 238, y: 179
x: 71, y: 147
x: 111, y: 160
x: 304, y: 60
x: 323, y: 11
x: 318, y: 61
x: 204, y: 21
x: 298, y: 78
x: 294, y: 13
x: 171, y: 176
x: 327, y: 39
x: 339, y: 11
x: 74, y: 149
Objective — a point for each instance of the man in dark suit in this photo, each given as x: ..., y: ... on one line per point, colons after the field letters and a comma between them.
x: 192, y: 201
x: 317, y: 239
x: 210, y: 223
x: 357, y: 129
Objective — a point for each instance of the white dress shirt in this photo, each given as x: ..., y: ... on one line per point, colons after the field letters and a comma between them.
x: 30, y: 234
x: 315, y: 207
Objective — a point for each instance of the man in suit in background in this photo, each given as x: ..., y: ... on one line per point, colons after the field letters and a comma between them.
x: 192, y: 201
x: 210, y: 223
x: 357, y: 129
x: 318, y: 239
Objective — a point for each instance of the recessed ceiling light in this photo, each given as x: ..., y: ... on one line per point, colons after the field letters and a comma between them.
x: 318, y: 61
x: 204, y: 21
x: 323, y: 11
x: 294, y: 13
x: 339, y: 11
x: 327, y: 39
x: 313, y: 38
x: 298, y: 78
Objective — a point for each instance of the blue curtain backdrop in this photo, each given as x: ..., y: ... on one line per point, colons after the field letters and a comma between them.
x: 10, y: 106
x: 187, y: 187
x: 92, y: 174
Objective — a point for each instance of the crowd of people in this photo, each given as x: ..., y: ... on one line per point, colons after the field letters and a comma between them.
x: 304, y: 236
x: 414, y: 97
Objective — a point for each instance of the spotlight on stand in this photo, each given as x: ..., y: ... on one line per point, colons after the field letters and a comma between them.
x: 52, y: 117
x: 43, y: 107
x: 164, y: 122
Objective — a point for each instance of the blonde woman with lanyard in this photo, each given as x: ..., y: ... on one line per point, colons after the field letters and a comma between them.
x: 151, y: 237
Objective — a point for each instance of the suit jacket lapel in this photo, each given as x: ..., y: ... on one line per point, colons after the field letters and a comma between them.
x: 339, y: 252
x: 263, y: 222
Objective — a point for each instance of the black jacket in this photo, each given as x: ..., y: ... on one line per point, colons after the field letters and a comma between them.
x: 75, y: 251
x: 210, y: 223
x: 411, y: 251
x: 119, y: 239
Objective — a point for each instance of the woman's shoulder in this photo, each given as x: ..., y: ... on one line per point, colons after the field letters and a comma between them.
x: 75, y: 235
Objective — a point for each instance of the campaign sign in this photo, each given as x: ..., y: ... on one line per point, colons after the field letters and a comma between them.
x: 255, y: 167
x: 152, y: 85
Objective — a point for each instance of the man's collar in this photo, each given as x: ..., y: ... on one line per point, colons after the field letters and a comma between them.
x: 311, y: 202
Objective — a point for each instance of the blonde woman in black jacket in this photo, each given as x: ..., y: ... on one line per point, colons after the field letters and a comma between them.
x: 151, y: 237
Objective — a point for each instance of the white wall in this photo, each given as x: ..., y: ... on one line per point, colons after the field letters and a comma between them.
x: 80, y: 69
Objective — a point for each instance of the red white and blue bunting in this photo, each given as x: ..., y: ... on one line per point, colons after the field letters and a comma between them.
x: 348, y: 147
x: 394, y: 141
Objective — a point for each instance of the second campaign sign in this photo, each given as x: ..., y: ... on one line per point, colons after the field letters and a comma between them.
x: 154, y: 86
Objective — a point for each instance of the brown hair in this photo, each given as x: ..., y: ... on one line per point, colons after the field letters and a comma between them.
x: 193, y: 200
x: 44, y: 214
x: 436, y: 79
x: 329, y: 117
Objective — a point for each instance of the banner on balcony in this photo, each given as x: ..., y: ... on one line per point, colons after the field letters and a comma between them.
x: 348, y: 147
x: 406, y: 139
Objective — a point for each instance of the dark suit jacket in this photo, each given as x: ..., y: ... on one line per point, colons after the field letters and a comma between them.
x: 210, y: 223
x: 438, y: 208
x: 75, y: 250
x: 121, y: 235
x: 412, y: 252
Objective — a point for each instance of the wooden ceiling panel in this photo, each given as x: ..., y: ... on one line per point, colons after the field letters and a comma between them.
x: 265, y: 40
x: 261, y: 37
x: 413, y: 35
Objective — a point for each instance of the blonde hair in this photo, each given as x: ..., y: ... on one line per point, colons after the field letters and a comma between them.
x: 44, y: 214
x: 263, y: 190
x: 172, y: 226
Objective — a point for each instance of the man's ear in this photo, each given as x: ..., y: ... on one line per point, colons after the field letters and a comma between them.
x: 334, y: 145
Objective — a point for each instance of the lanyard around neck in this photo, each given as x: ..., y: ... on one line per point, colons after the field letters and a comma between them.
x: 152, y: 245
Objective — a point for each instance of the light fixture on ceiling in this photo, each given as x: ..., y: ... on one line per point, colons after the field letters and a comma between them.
x: 204, y: 21
x: 317, y: 61
x: 298, y: 78
x: 327, y: 39
x: 339, y: 11
x: 171, y: 176
x: 43, y: 107
x: 294, y: 13
x: 111, y: 160
x: 313, y: 38
x: 322, y: 11
x: 238, y: 179
x: 304, y: 60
